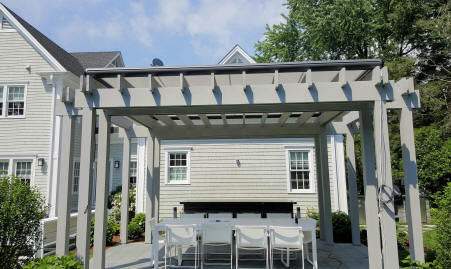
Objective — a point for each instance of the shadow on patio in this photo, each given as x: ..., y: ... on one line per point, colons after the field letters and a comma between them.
x: 137, y: 255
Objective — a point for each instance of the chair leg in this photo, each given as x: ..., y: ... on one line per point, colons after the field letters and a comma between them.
x: 302, y: 257
x: 165, y: 257
x: 236, y: 257
x: 231, y: 255
x: 267, y: 257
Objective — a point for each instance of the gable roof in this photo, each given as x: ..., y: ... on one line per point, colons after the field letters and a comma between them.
x: 65, y: 59
x: 100, y: 59
x: 237, y: 51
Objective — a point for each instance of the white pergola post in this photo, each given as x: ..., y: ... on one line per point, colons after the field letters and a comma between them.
x: 156, y: 180
x: 150, y: 202
x: 352, y: 184
x: 322, y: 234
x: 411, y: 184
x: 102, y: 188
x: 325, y: 182
x: 370, y: 186
x: 125, y: 186
x: 87, y: 156
x: 65, y: 185
x: 385, y: 192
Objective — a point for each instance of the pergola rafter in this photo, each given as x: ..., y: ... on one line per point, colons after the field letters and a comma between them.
x: 311, y: 99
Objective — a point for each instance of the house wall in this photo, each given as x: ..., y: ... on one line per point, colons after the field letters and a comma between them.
x: 29, y: 136
x: 215, y: 174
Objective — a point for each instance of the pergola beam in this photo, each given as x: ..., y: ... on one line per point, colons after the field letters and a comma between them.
x: 166, y: 120
x: 283, y: 118
x: 304, y: 118
x: 205, y: 119
x: 146, y: 121
x: 185, y: 119
x: 322, y: 92
x: 328, y: 116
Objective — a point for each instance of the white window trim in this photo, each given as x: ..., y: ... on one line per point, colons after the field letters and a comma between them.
x: 312, y: 174
x: 188, y: 165
x: 5, y: 100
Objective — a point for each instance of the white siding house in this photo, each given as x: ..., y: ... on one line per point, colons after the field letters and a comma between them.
x: 33, y: 73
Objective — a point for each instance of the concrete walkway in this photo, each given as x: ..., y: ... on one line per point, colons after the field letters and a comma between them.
x: 137, y: 255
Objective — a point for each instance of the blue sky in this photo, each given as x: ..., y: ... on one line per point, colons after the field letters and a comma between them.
x: 180, y: 32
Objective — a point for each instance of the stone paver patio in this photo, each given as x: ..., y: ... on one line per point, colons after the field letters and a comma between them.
x: 137, y: 255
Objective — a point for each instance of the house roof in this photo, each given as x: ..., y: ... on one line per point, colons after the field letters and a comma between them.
x: 69, y: 62
x: 98, y: 59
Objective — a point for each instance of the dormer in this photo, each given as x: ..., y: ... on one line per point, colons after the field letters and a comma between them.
x: 237, y: 56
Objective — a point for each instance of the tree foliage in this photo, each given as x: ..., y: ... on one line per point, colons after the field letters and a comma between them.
x: 441, y: 217
x: 413, y: 39
x: 21, y: 209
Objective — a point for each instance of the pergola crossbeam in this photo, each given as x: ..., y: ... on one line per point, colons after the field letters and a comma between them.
x: 328, y: 116
x: 283, y: 118
x: 205, y: 119
x: 185, y: 119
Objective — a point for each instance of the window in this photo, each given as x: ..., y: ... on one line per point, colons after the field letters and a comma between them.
x: 133, y: 172
x: 178, y: 169
x: 300, y: 167
x: 16, y: 100
x: 76, y: 177
x: 4, y: 165
x: 12, y: 100
x: 23, y: 170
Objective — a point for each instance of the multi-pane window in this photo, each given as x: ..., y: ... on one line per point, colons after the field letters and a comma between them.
x: 76, y: 177
x: 300, y: 176
x: 178, y: 167
x: 133, y: 172
x: 16, y: 100
x: 4, y: 165
x: 23, y: 171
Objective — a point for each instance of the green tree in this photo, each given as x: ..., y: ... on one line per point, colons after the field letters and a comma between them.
x: 21, y: 209
x: 411, y: 36
x: 442, y: 216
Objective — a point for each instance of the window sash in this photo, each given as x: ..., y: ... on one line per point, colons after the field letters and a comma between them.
x: 177, y: 171
x: 23, y: 170
x: 133, y: 172
x: 299, y: 170
x: 16, y: 100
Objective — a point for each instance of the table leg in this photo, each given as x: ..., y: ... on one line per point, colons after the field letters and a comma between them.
x: 314, y: 253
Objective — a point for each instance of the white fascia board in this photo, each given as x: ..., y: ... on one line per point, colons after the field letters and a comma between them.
x: 39, y: 48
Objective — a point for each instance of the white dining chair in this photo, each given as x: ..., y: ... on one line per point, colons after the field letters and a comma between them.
x: 308, y: 244
x: 251, y: 238
x: 220, y: 215
x: 177, y: 237
x: 285, y: 239
x: 192, y: 216
x: 278, y: 215
x: 216, y: 234
x: 248, y: 215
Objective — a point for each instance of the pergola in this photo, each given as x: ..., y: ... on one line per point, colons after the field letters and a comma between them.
x: 276, y: 100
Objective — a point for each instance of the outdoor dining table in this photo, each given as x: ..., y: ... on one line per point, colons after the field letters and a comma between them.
x: 308, y: 226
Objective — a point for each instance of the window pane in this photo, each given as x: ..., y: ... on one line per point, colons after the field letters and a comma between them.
x: 16, y: 93
x: 177, y: 167
x: 4, y: 168
x: 299, y: 170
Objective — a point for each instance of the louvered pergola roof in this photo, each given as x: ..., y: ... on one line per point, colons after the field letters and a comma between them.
x: 239, y: 100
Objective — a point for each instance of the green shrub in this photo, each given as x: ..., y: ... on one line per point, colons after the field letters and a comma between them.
x: 140, y: 219
x: 21, y: 209
x: 116, y: 199
x: 134, y: 231
x: 116, y: 228
x: 341, y: 223
x: 110, y: 231
x: 54, y: 262
x: 313, y: 215
x: 441, y: 217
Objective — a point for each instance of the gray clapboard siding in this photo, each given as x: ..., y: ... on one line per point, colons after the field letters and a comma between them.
x: 215, y: 175
x: 30, y: 135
